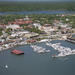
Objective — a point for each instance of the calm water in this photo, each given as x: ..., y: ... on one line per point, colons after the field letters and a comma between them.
x: 39, y: 12
x: 32, y: 63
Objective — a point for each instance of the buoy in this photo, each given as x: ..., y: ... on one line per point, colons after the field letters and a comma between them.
x: 6, y: 66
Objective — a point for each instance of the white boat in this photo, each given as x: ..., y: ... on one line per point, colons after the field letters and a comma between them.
x: 39, y: 49
x: 44, y: 40
x: 6, y: 66
x: 47, y: 50
x: 63, y: 51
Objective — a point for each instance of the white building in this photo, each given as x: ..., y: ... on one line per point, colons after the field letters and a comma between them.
x: 48, y: 30
x: 37, y: 25
x: 14, y: 26
x: 20, y: 33
x: 2, y: 40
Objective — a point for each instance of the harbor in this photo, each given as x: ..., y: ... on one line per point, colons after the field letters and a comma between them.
x: 63, y: 51
x: 44, y: 63
x: 39, y: 49
x: 37, y: 37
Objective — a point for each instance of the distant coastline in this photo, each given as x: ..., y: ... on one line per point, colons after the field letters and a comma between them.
x: 11, y: 6
x: 37, y: 12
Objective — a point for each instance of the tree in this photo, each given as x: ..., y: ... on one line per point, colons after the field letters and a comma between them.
x: 8, y: 30
x: 59, y: 27
x: 1, y: 31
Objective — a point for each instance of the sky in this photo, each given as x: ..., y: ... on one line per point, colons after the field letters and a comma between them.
x: 37, y: 0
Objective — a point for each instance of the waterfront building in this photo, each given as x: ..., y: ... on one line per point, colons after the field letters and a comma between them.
x: 31, y: 35
x: 17, y: 52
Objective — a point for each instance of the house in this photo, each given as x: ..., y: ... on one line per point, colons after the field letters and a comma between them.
x: 31, y: 41
x: 37, y: 25
x: 2, y: 26
x: 65, y: 30
x: 48, y: 29
x: 13, y: 26
x: 64, y: 37
x: 22, y: 21
x: 26, y: 18
x: 19, y: 33
x: 31, y: 35
x: 2, y: 40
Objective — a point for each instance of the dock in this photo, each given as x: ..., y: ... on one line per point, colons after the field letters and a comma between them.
x: 72, y: 41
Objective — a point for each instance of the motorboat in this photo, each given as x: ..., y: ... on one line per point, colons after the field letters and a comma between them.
x: 6, y: 66
x: 63, y: 51
x: 39, y: 49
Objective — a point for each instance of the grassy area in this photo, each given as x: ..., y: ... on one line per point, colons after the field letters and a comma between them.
x: 9, y: 18
x: 1, y: 31
x: 33, y: 6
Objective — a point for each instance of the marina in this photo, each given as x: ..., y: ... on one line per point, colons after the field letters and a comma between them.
x: 11, y: 45
x: 43, y: 64
x: 63, y: 51
x: 39, y: 49
x: 72, y: 41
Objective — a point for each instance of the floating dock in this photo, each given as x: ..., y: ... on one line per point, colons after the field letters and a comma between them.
x: 72, y: 41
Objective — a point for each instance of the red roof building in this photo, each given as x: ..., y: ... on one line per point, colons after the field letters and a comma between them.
x: 31, y: 41
x: 22, y: 22
x: 17, y: 52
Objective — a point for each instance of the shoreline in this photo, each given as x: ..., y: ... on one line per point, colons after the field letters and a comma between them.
x: 11, y: 45
x: 37, y: 12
